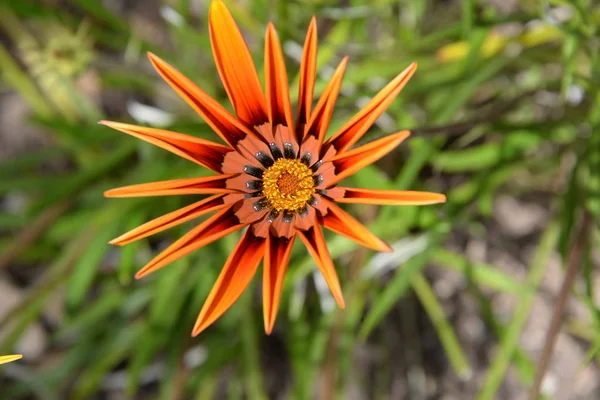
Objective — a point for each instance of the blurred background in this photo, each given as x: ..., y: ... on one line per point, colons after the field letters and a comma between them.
x: 505, y: 112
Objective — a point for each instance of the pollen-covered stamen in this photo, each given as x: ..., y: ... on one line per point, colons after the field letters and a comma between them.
x: 288, y: 184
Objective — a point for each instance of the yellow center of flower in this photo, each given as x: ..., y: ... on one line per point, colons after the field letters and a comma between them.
x: 288, y: 184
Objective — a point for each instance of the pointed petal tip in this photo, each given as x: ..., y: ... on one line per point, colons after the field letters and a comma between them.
x: 405, y: 133
x: 120, y: 241
x: 235, y: 66
x: 202, y: 323
x: 140, y: 274
x: 154, y: 59
x: 269, y: 328
x: 110, y: 124
x: 217, y: 6
x: 215, y: 3
x: 234, y: 278
x: 112, y: 193
x: 198, y: 330
x: 10, y: 358
x: 399, y: 137
x: 148, y: 269
x: 115, y: 242
x: 385, y: 247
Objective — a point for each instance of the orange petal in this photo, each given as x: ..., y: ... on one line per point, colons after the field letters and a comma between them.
x: 354, y: 160
x: 250, y: 210
x: 7, y: 359
x: 236, y: 66
x: 315, y: 243
x: 283, y: 225
x: 202, y: 152
x: 390, y: 197
x: 306, y: 219
x: 344, y: 224
x: 215, y: 115
x: 277, y: 256
x: 233, y: 279
x: 204, y: 185
x: 319, y: 120
x: 308, y: 73
x: 217, y: 226
x: 171, y: 219
x: 354, y: 129
x: 279, y: 107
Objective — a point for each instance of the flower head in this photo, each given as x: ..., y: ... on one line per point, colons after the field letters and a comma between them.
x: 11, y: 358
x: 275, y: 174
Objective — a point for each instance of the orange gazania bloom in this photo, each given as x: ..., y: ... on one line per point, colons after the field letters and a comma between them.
x: 276, y: 175
x: 7, y: 359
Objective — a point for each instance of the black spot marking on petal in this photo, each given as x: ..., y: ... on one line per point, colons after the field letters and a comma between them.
x: 261, y: 204
x: 316, y: 166
x: 287, y: 216
x: 254, y: 185
x: 275, y: 150
x: 272, y: 215
x: 306, y: 158
x: 264, y: 159
x: 253, y: 171
x: 318, y: 179
x: 303, y: 212
x: 288, y: 150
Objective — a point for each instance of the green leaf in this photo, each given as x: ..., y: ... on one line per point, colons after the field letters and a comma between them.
x: 447, y: 336
x: 392, y: 292
x: 82, y: 278
x: 482, y: 273
x: 509, y: 343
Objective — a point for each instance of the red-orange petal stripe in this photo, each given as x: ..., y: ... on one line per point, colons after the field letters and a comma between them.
x: 236, y: 67
x: 320, y: 118
x: 204, y: 185
x: 200, y: 151
x: 277, y: 256
x: 354, y: 160
x: 216, y: 116
x: 308, y: 73
x: 354, y: 129
x: 344, y: 224
x: 279, y: 108
x: 314, y: 241
x: 171, y: 219
x: 233, y: 279
x: 390, y: 197
x: 217, y: 226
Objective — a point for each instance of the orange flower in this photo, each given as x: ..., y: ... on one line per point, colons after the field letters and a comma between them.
x: 7, y: 359
x: 276, y: 175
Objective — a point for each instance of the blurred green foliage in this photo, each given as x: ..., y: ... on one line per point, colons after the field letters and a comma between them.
x: 483, y: 125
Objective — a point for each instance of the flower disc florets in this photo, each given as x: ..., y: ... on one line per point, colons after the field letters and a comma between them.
x: 288, y: 185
